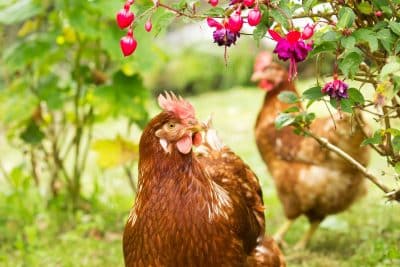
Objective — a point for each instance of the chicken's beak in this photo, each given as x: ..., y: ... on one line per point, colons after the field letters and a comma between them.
x: 196, y: 127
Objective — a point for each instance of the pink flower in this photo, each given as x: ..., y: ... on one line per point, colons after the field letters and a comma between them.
x: 336, y: 89
x: 291, y: 47
x: 308, y: 32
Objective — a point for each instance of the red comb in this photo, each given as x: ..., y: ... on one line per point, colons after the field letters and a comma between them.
x: 177, y: 105
x: 263, y: 60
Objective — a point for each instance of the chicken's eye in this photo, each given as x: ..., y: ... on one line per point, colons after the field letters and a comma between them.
x: 171, y: 125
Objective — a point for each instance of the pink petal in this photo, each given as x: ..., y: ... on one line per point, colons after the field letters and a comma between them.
x: 274, y: 35
x: 213, y: 23
x: 293, y: 36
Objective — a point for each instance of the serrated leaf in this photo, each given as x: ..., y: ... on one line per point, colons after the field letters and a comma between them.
x: 356, y: 96
x: 288, y: 97
x: 374, y: 140
x: 115, y: 152
x: 386, y: 39
x: 346, y: 18
x: 283, y: 120
x: 259, y: 32
x: 215, y: 12
x: 395, y: 27
x: 323, y: 48
x: 348, y: 42
x: 367, y: 36
x: 313, y: 93
x: 280, y: 18
x: 350, y: 64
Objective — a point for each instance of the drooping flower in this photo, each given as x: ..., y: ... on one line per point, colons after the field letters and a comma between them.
x: 336, y: 89
x: 308, y: 32
x: 291, y: 47
x: 222, y: 35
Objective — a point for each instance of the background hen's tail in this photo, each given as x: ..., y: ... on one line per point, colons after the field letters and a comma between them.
x: 267, y: 254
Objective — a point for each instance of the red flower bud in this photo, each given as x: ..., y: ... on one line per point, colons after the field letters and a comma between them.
x: 248, y: 3
x: 378, y: 13
x: 148, y: 26
x: 308, y: 32
x: 125, y: 18
x: 235, y: 22
x: 128, y: 44
x: 254, y: 17
x: 213, y: 2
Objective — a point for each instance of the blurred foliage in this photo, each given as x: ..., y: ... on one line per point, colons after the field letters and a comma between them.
x: 203, y: 71
x: 63, y: 73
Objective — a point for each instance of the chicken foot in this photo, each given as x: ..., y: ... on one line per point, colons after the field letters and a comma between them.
x: 302, y: 243
x: 280, y: 234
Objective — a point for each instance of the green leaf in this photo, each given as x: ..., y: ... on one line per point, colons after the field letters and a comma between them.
x: 348, y: 42
x: 215, y: 12
x: 49, y: 92
x: 280, y: 18
x: 259, y: 32
x: 390, y: 68
x: 350, y: 64
x: 26, y: 51
x: 115, y: 152
x: 397, y: 167
x: 261, y: 29
x: 345, y: 105
x: 331, y: 36
x: 325, y: 47
x: 395, y: 27
x: 365, y: 8
x: 162, y: 22
x: 386, y: 39
x: 367, y: 36
x: 374, y: 140
x: 126, y: 96
x: 284, y: 119
x: 292, y: 109
x: 19, y: 11
x: 32, y: 134
x: 396, y: 143
x: 346, y: 18
x: 288, y: 97
x: 355, y: 96
x: 313, y: 93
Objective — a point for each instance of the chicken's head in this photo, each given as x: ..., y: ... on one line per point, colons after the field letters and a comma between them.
x: 180, y: 128
x: 268, y: 73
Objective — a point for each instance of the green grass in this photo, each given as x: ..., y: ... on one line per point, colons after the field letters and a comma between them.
x: 31, y: 234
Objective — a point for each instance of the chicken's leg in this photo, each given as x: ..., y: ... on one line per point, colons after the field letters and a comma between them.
x: 302, y: 243
x: 280, y: 234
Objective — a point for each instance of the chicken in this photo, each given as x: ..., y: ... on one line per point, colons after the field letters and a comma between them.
x: 309, y: 179
x: 194, y: 209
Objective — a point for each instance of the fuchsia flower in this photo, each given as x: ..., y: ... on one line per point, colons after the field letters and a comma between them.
x: 336, y: 89
x: 224, y: 34
x: 291, y: 47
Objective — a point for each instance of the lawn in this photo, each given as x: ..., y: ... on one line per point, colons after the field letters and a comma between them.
x: 368, y: 234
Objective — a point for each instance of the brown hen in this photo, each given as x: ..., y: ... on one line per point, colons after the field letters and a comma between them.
x: 309, y: 179
x: 194, y: 209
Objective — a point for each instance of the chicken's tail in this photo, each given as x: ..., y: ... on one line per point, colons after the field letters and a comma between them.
x: 267, y: 254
